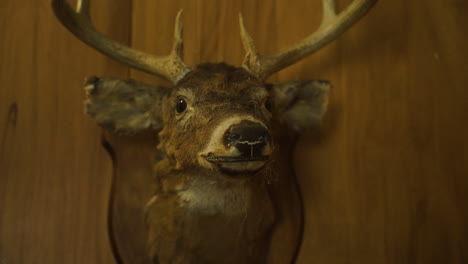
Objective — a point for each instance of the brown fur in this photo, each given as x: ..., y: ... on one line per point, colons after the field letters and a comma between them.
x: 219, y: 91
x: 190, y: 231
x: 207, y: 215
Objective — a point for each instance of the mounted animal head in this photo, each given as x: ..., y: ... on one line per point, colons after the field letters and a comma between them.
x: 215, y: 116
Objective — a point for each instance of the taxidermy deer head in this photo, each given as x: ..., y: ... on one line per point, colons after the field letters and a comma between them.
x: 218, y: 199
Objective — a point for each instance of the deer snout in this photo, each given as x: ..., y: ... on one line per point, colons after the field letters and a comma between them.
x: 238, y: 144
x: 249, y: 138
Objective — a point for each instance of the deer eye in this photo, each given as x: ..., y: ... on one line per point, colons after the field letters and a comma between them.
x: 181, y: 105
x: 268, y: 104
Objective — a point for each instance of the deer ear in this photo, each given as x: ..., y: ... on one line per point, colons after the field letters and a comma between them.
x: 301, y: 104
x: 125, y: 106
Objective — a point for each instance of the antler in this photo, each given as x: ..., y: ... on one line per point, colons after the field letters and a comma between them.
x: 332, y: 26
x: 170, y: 67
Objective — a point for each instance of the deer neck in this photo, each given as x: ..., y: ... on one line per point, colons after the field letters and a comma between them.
x: 208, y: 191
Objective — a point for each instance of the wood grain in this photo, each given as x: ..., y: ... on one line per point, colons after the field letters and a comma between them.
x: 55, y: 176
x: 384, y: 181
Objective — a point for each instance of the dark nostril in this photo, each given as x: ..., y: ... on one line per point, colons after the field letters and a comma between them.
x: 233, y: 137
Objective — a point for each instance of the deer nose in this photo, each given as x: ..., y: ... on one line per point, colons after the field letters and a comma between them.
x: 248, y: 137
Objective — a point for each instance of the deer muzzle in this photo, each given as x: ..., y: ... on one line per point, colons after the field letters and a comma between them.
x: 245, y: 146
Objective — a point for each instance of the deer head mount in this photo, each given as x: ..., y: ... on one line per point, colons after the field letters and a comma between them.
x: 215, y: 201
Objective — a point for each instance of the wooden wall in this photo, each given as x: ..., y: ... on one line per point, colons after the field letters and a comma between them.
x: 384, y: 181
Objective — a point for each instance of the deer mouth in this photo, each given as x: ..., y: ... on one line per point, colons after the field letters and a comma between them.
x: 229, y: 159
x: 237, y: 163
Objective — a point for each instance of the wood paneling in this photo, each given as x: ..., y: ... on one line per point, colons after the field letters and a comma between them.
x: 384, y: 181
x: 54, y: 176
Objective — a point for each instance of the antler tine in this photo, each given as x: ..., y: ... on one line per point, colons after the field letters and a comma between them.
x: 329, y: 11
x: 170, y: 67
x: 331, y: 27
x: 82, y: 7
x: 178, y: 47
x: 251, y: 53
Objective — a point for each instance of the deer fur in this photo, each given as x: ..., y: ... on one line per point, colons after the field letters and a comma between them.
x: 201, y: 213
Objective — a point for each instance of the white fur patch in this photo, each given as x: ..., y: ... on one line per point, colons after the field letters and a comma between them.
x: 207, y: 198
